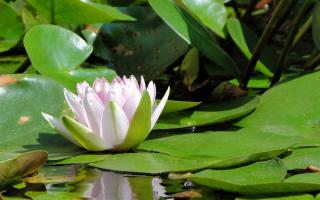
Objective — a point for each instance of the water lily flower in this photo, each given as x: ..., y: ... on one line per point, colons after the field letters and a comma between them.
x: 110, y: 116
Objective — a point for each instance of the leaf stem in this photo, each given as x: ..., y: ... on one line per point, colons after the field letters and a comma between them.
x: 273, y: 23
x: 304, y: 28
x: 281, y: 63
x: 52, y: 12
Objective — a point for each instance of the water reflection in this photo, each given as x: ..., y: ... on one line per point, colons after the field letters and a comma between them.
x: 112, y: 186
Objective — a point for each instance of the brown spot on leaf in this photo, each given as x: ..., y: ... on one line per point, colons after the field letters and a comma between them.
x: 313, y: 168
x: 7, y: 80
x: 24, y: 120
x: 187, y: 194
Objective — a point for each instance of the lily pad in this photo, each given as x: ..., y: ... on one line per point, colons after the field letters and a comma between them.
x: 238, y: 179
x: 205, y: 114
x: 9, y: 64
x: 22, y: 99
x: 264, y: 178
x: 293, y: 103
x: 174, y: 106
x: 11, y: 28
x: 12, y: 171
x: 225, y: 149
x: 295, y: 197
x: 149, y: 163
x: 303, y: 158
x: 61, y: 59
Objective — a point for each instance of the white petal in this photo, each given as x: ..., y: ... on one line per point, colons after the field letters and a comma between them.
x: 57, y: 125
x: 114, y: 124
x: 75, y: 106
x: 93, y: 109
x: 132, y: 103
x: 115, y: 94
x: 158, y: 110
x: 134, y: 81
x: 142, y: 84
x: 152, y: 92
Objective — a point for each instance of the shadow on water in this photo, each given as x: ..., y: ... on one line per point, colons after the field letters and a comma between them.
x: 56, y: 145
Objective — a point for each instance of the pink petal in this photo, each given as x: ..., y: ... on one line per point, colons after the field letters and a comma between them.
x: 93, y: 109
x: 132, y: 103
x: 75, y: 106
x: 101, y: 87
x: 57, y: 125
x: 81, y: 88
x: 158, y: 110
x: 114, y: 125
x: 115, y: 94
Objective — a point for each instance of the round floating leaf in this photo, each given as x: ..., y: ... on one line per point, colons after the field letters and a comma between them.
x: 237, y: 180
x: 11, y: 27
x: 213, y: 113
x: 224, y: 148
x: 148, y: 163
x: 61, y: 58
x: 303, y: 158
x: 265, y: 178
x: 53, y: 48
x: 293, y: 103
x: 22, y: 99
x: 296, y: 197
x: 174, y: 106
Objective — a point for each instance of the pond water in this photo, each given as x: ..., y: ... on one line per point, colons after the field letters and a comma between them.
x: 79, y: 182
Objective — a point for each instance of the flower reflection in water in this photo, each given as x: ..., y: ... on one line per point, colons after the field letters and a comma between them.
x: 112, y: 186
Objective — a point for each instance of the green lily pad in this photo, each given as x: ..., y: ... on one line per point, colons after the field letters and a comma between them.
x: 293, y: 103
x: 264, y: 178
x: 11, y: 28
x: 205, y: 114
x: 295, y: 197
x: 61, y: 59
x: 174, y: 106
x: 223, y: 148
x: 77, y: 12
x: 22, y: 99
x: 81, y: 159
x: 303, y: 158
x: 12, y: 171
x: 148, y: 163
x: 52, y: 195
x: 238, y: 179
x: 9, y: 64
